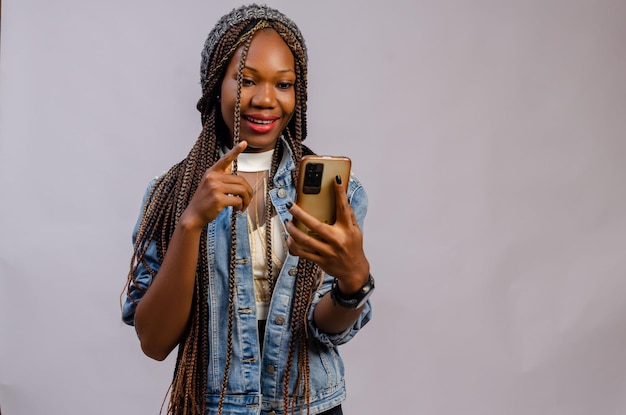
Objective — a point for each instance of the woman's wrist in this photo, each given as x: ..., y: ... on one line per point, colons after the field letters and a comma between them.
x: 353, y: 284
x: 189, y: 224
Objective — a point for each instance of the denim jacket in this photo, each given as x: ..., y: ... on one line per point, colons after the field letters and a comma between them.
x: 255, y: 383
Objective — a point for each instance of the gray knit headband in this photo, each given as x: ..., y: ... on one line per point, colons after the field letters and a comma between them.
x: 237, y: 16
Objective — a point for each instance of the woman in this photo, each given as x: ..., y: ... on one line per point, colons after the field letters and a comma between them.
x: 257, y: 315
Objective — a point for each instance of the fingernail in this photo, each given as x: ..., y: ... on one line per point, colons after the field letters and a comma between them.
x: 289, y: 205
x: 338, y: 179
x: 286, y: 221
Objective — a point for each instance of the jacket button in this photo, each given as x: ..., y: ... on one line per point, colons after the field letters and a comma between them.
x: 293, y: 272
x: 280, y: 320
x: 282, y: 193
x: 270, y: 369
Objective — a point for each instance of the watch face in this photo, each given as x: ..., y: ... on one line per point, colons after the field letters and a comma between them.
x: 365, y: 298
x: 365, y: 292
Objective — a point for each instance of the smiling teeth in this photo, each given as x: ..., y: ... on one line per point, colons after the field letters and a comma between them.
x: 263, y: 122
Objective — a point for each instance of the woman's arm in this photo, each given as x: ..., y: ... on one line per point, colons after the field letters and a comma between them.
x: 162, y: 314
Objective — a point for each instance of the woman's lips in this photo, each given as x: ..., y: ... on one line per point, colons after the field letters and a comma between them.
x: 260, y: 124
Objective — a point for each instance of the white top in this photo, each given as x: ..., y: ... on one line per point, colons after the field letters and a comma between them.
x: 251, y: 162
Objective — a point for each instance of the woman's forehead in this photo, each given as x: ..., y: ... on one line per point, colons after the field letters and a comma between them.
x: 267, y: 48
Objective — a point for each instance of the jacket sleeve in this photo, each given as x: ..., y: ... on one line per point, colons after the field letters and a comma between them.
x: 358, y: 200
x: 142, y: 276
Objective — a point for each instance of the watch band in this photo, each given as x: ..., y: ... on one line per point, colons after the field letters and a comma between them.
x: 355, y: 300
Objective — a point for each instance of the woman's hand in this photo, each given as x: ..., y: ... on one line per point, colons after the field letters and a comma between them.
x: 339, y: 249
x: 217, y: 190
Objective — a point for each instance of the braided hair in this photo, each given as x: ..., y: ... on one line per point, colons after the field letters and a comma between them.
x: 171, y: 193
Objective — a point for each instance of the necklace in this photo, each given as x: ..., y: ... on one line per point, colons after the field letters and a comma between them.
x: 256, y: 208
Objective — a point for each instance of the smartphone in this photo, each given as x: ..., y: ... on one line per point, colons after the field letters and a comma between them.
x: 315, y: 192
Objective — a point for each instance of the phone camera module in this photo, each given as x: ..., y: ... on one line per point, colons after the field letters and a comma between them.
x: 313, y: 178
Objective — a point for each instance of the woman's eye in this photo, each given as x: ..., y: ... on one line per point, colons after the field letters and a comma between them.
x: 247, y: 82
x: 285, y: 85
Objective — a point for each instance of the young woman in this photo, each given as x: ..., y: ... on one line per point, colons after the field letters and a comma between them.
x: 255, y: 306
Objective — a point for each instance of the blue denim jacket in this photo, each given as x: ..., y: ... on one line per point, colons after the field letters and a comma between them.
x: 255, y: 380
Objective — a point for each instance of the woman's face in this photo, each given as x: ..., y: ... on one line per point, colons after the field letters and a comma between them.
x: 268, y: 97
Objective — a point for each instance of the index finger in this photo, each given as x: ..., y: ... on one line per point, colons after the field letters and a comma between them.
x: 343, y: 210
x: 225, y: 161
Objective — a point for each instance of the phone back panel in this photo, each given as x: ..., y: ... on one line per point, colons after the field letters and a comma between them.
x: 319, y: 201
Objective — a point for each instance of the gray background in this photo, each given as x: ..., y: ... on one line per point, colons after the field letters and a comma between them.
x: 490, y: 136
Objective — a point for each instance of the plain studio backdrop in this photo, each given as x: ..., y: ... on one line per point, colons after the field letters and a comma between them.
x: 490, y: 135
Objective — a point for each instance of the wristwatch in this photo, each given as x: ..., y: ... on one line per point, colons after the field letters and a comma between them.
x: 355, y: 300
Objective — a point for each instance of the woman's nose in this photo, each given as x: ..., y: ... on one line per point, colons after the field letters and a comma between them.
x: 264, y: 96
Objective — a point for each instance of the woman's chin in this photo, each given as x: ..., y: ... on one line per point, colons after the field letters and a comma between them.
x: 259, y: 146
